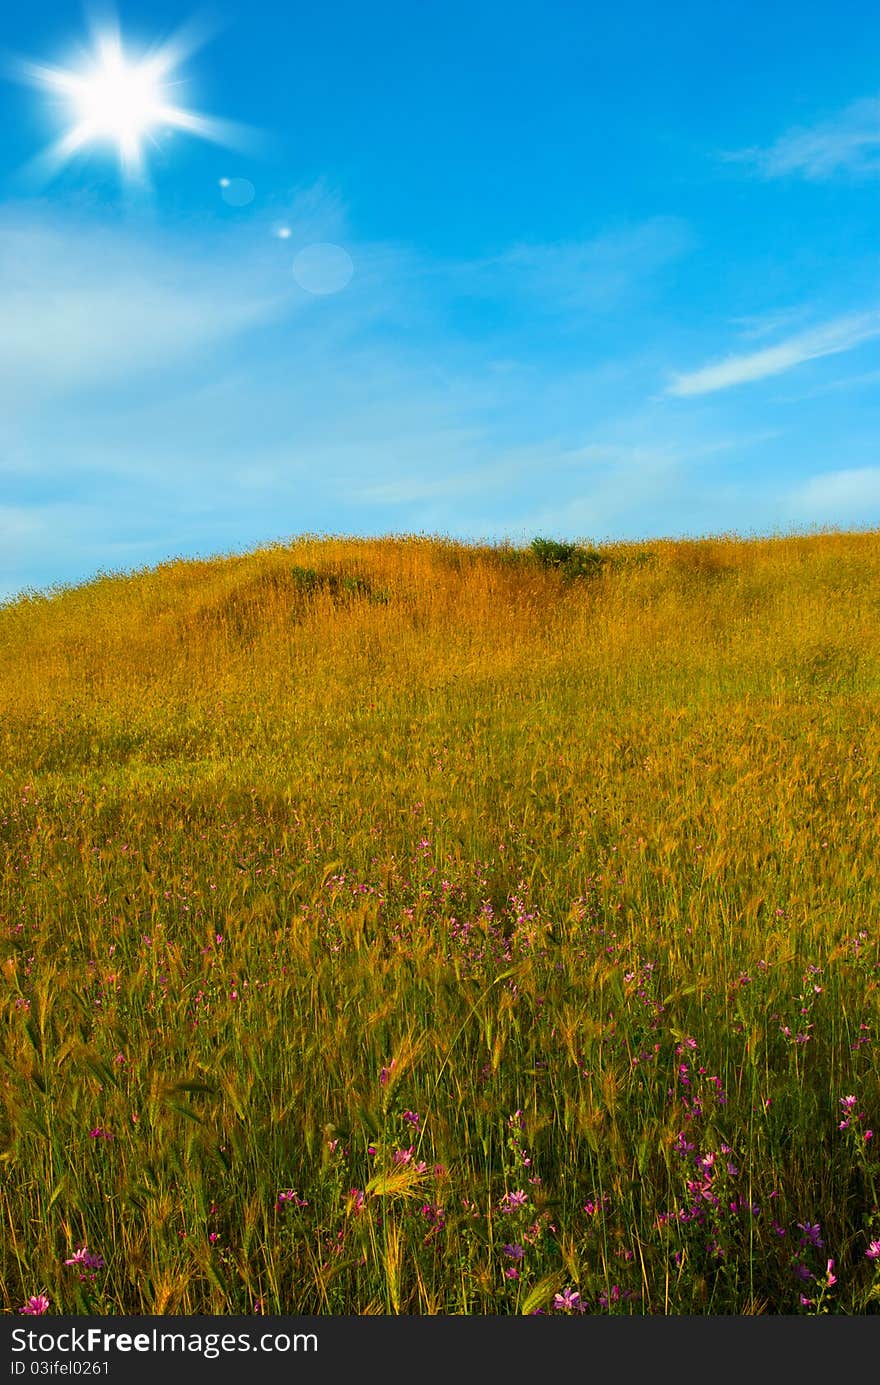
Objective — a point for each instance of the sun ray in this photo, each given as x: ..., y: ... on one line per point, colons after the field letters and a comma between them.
x: 124, y: 101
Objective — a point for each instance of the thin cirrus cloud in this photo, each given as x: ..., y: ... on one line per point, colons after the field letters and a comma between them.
x: 89, y: 301
x: 96, y: 303
x: 844, y: 496
x: 849, y: 143
x: 590, y: 275
x: 85, y: 310
x: 829, y: 339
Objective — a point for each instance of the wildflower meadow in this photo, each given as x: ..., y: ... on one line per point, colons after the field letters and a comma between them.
x: 403, y: 926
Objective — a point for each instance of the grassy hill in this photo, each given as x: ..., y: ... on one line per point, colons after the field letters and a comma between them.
x: 407, y: 926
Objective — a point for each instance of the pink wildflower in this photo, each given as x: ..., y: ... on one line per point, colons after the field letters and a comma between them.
x: 290, y: 1195
x: 36, y: 1304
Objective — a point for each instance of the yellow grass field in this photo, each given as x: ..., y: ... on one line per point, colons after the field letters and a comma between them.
x: 403, y: 926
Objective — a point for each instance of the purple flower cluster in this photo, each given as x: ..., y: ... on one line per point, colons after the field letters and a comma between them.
x: 87, y: 1261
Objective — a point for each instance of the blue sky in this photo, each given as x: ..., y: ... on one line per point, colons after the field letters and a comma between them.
x: 507, y: 269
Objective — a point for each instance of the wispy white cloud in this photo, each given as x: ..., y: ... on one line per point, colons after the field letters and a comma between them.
x: 620, y: 488
x: 756, y: 326
x: 81, y: 310
x: 848, y: 496
x: 589, y: 275
x: 636, y: 483
x: 828, y: 339
x: 89, y: 302
x: 863, y: 380
x: 849, y: 143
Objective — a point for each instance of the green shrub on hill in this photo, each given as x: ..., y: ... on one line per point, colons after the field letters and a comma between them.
x: 570, y: 559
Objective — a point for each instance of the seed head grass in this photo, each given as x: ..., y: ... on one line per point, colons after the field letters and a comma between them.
x: 407, y: 926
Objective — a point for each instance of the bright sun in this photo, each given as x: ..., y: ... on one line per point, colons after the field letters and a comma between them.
x: 119, y: 101
x: 123, y: 101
